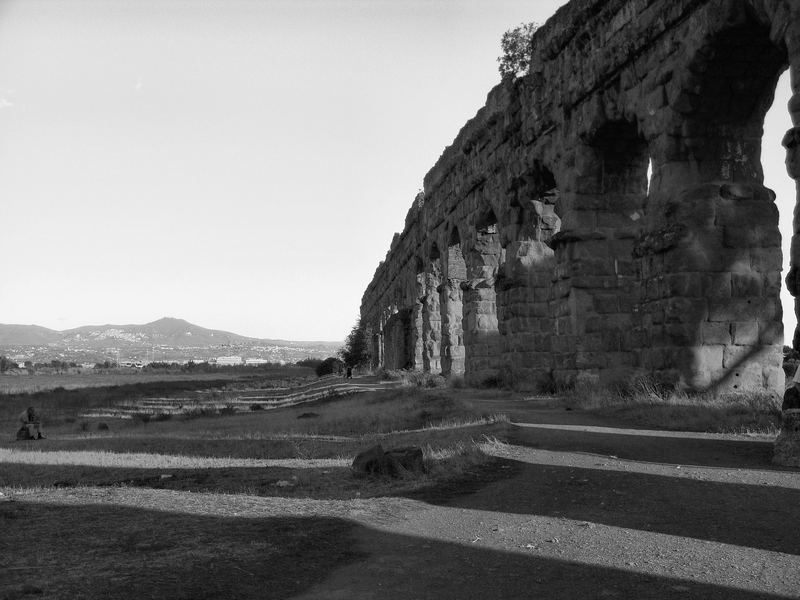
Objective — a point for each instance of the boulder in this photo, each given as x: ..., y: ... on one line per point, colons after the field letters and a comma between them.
x: 371, y: 461
x: 392, y: 463
x: 409, y: 458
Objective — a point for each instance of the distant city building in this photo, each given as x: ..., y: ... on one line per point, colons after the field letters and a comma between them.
x: 229, y: 360
x: 256, y: 361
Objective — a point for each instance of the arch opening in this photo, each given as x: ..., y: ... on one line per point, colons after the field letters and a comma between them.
x: 723, y: 267
x: 526, y: 278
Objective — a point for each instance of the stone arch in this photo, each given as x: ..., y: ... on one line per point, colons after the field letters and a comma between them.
x: 535, y: 206
x: 713, y: 318
x: 395, y: 337
x: 597, y: 280
x: 525, y: 282
x: 452, y: 305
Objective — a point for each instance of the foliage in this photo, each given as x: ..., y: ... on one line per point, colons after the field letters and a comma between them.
x: 414, y: 378
x: 645, y: 403
x: 356, y: 351
x: 516, y: 46
x: 311, y: 363
x: 329, y: 366
x: 6, y: 364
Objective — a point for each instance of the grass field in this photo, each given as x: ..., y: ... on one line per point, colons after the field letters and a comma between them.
x: 648, y: 405
x: 157, y: 545
x: 42, y: 382
x: 202, y: 507
x: 308, y: 447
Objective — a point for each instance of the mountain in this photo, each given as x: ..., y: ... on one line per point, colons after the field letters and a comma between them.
x: 164, y: 339
x: 166, y: 331
x: 27, y: 335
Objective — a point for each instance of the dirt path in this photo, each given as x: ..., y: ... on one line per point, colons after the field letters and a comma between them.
x: 594, y: 511
x: 584, y: 510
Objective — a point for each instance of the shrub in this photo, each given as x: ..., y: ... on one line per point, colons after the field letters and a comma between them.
x: 102, y: 426
x: 329, y: 366
x: 256, y: 406
x: 142, y: 417
x: 228, y: 409
x: 457, y: 382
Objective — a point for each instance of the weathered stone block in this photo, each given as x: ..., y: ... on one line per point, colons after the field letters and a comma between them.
x: 745, y: 333
x: 764, y: 260
x: 743, y: 309
x: 680, y: 334
x: 606, y: 304
x: 746, y: 284
x: 770, y: 333
x: 685, y: 310
x: 762, y: 236
x: 715, y: 332
x: 717, y: 285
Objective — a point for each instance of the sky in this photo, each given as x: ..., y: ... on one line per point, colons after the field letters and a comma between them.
x: 242, y: 165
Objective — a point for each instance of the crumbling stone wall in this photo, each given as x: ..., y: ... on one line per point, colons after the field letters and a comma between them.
x: 541, y: 250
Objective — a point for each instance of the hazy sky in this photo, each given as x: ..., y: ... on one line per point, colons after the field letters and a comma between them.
x: 242, y: 165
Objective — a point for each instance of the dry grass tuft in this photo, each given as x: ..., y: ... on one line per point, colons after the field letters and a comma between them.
x: 645, y: 403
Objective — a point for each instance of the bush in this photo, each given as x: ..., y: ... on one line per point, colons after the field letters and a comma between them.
x: 457, y: 382
x: 329, y: 366
x: 311, y: 363
x: 256, y: 406
x: 228, y: 409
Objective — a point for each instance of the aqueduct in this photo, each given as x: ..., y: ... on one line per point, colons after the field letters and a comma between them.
x: 540, y: 247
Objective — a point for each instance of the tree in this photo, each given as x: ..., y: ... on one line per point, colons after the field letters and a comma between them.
x: 311, y: 363
x: 516, y: 46
x: 356, y: 351
x: 328, y: 366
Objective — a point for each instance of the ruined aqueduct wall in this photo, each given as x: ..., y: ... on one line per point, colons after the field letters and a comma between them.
x: 539, y: 249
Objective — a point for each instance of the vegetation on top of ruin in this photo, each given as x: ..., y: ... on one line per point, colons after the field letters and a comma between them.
x: 515, y: 61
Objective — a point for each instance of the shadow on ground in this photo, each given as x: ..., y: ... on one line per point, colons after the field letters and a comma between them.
x: 94, y: 552
x: 706, y: 452
x: 745, y: 515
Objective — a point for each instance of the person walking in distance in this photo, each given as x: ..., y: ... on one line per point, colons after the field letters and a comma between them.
x: 31, y: 425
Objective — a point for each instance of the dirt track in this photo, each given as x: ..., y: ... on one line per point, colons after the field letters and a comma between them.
x: 695, y: 516
x: 574, y: 508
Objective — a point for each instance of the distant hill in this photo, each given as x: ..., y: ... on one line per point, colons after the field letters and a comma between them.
x: 174, y: 334
x: 166, y: 331
x: 27, y: 335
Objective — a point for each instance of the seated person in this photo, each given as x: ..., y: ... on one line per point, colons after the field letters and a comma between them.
x: 31, y: 425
